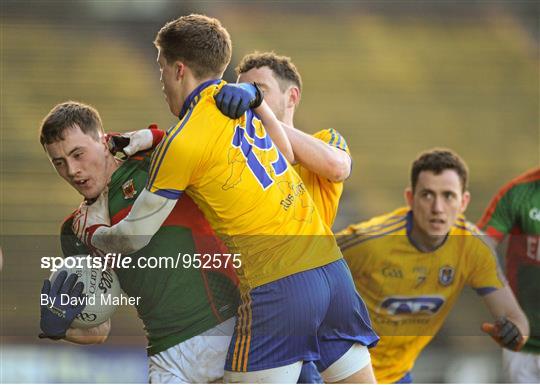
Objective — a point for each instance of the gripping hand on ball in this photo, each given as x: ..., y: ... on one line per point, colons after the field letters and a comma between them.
x: 60, y: 310
x: 89, y: 217
x: 235, y: 99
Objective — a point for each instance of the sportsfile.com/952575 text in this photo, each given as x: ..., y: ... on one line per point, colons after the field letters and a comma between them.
x: 119, y: 261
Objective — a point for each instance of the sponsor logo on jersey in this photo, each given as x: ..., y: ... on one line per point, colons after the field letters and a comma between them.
x: 446, y: 275
x: 534, y: 214
x: 533, y: 247
x: 412, y: 305
x: 128, y: 189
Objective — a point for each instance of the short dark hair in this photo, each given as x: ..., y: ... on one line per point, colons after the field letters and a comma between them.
x: 437, y: 161
x: 282, y: 67
x: 67, y: 115
x: 199, y: 41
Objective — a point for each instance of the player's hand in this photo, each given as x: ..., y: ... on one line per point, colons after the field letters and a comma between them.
x: 505, y: 333
x: 132, y: 142
x: 233, y: 100
x: 89, y: 217
x: 141, y: 140
x: 56, y: 316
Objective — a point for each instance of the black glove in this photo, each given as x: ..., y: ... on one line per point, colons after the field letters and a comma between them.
x: 55, y: 316
x: 505, y: 333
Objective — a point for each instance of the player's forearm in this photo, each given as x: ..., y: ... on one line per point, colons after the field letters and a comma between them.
x: 276, y: 131
x: 95, y: 335
x: 136, y: 230
x: 518, y: 317
x: 318, y: 156
x: 502, y: 303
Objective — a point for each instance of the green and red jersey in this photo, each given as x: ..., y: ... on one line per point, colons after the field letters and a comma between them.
x: 176, y: 303
x: 515, y: 210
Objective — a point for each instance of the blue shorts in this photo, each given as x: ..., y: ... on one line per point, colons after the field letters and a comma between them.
x: 310, y: 374
x: 315, y: 315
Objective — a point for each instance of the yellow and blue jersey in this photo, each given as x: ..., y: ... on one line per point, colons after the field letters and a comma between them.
x: 324, y: 192
x: 409, y: 293
x: 246, y: 189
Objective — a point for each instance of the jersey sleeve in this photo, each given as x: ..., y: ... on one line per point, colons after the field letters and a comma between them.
x: 484, y: 275
x: 68, y: 240
x: 324, y: 192
x: 498, y: 219
x: 354, y: 253
x: 333, y: 138
x: 157, y: 134
x: 174, y: 162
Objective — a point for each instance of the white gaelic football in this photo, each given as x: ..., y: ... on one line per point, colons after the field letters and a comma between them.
x: 101, y: 288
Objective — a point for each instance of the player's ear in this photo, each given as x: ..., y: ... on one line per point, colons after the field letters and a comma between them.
x: 294, y: 96
x: 180, y: 69
x: 103, y: 141
x: 409, y: 196
x: 465, y: 199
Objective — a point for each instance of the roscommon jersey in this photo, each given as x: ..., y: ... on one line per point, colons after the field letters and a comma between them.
x: 408, y: 292
x: 324, y: 192
x: 251, y: 196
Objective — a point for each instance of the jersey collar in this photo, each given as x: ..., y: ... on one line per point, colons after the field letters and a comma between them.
x: 409, y: 225
x: 194, y: 96
x: 118, y: 175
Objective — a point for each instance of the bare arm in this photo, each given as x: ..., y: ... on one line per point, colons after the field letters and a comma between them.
x: 276, y: 131
x: 95, y: 335
x: 299, y: 147
x: 318, y: 156
x: 503, y: 303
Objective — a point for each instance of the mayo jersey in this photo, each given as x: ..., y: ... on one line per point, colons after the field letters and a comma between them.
x: 324, y: 192
x: 515, y: 210
x: 251, y: 196
x: 176, y: 303
x: 409, y: 292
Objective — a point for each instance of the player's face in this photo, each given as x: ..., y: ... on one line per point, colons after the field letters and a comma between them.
x: 81, y: 161
x: 437, y: 202
x: 264, y: 77
x: 169, y: 79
